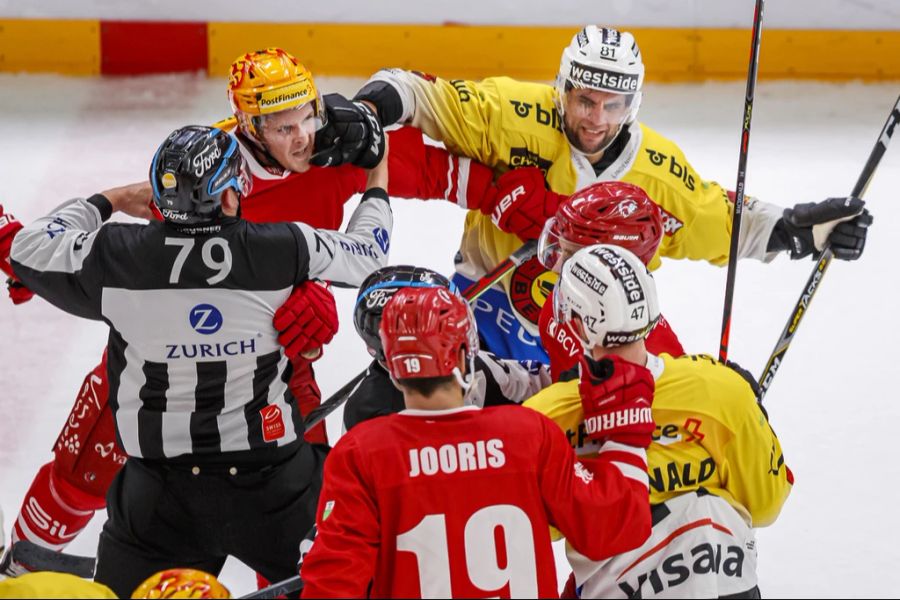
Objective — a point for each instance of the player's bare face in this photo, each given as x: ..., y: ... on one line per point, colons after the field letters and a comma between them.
x: 289, y: 135
x: 593, y: 119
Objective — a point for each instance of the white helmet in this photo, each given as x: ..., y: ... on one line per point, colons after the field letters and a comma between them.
x: 607, y: 295
x: 603, y: 59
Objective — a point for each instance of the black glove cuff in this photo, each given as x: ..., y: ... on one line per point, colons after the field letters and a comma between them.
x: 385, y: 98
x: 798, y: 241
x: 376, y: 192
x: 102, y: 204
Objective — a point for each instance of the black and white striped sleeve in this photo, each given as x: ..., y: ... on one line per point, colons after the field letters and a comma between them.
x: 56, y: 256
x: 501, y: 381
x: 346, y: 258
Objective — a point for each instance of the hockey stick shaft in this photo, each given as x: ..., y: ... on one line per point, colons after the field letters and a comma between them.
x: 471, y: 293
x: 741, y: 179
x: 825, y: 258
x: 288, y: 586
x: 39, y: 558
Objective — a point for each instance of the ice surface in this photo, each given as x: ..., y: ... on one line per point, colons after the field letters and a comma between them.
x: 833, y: 403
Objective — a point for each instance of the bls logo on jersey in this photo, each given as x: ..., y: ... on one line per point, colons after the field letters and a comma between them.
x: 680, y: 171
x: 549, y: 117
x: 704, y: 559
x: 206, y: 319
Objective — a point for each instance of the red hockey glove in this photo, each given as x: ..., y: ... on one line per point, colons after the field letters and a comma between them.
x: 9, y: 227
x: 616, y: 396
x: 307, y: 320
x: 524, y: 203
x: 18, y: 293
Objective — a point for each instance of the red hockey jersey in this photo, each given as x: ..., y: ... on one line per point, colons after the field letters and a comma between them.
x: 564, y: 347
x: 458, y: 503
x: 317, y: 196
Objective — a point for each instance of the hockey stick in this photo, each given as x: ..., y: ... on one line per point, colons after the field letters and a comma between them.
x: 38, y: 558
x: 471, y: 293
x: 288, y: 586
x: 825, y: 258
x: 741, y: 178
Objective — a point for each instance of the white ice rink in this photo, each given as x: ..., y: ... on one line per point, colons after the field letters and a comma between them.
x: 834, y: 403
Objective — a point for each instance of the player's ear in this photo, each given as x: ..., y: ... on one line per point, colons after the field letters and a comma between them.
x: 462, y: 363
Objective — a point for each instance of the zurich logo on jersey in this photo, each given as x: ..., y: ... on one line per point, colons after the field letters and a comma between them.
x: 383, y: 238
x: 205, y: 319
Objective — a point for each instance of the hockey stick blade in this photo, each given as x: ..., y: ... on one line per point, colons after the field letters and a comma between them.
x: 824, y: 260
x: 471, y: 293
x: 288, y: 586
x: 38, y: 558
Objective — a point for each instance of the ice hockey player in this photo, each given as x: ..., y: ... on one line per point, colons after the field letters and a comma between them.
x: 277, y: 141
x: 217, y: 464
x: 495, y: 381
x: 445, y: 500
x: 716, y: 468
x: 607, y: 212
x: 581, y: 130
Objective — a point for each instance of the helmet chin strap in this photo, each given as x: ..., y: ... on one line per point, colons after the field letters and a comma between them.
x: 465, y: 381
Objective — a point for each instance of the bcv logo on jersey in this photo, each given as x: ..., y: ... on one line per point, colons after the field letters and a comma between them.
x: 205, y: 319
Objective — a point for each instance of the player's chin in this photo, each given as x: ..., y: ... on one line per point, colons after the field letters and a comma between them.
x: 298, y: 162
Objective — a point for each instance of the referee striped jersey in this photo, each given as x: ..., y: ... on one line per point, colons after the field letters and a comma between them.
x: 195, y: 368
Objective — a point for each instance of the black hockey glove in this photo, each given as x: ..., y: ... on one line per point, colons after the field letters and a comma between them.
x: 805, y: 228
x: 352, y: 134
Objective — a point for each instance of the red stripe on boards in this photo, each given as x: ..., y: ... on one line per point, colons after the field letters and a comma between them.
x: 140, y: 47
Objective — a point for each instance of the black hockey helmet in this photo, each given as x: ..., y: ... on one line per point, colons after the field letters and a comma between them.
x: 190, y: 172
x: 379, y: 287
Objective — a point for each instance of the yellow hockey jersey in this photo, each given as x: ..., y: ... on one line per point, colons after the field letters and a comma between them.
x: 710, y: 433
x: 505, y: 123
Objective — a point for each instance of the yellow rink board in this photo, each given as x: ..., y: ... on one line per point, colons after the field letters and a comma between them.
x: 475, y: 52
x: 462, y: 51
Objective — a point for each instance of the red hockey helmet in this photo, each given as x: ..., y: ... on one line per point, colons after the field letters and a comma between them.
x: 608, y: 212
x: 422, y: 330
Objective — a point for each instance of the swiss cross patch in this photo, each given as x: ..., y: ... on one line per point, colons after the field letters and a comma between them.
x: 272, y: 423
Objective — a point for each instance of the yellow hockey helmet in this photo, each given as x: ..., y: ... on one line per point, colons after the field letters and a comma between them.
x: 269, y: 81
x: 181, y: 583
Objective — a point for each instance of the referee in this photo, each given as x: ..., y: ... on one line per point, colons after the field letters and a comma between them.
x: 198, y: 382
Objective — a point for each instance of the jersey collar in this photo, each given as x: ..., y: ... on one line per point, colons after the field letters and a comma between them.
x: 417, y: 412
